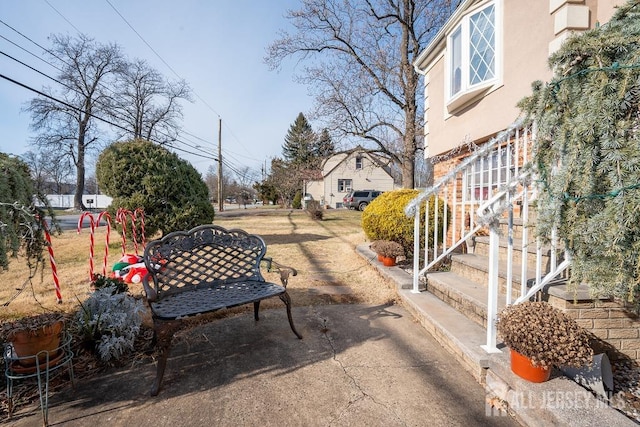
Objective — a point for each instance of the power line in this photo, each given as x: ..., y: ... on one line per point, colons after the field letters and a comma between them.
x: 80, y: 110
x: 195, y: 146
x: 177, y: 75
x: 74, y: 90
x: 158, y: 55
x: 62, y: 16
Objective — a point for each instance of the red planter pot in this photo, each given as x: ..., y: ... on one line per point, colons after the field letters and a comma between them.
x: 388, y: 261
x: 380, y: 257
x: 523, y: 367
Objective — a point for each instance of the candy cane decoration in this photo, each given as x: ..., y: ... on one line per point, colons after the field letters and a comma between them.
x: 121, y: 217
x: 107, y: 218
x: 93, y: 227
x: 52, y: 260
x: 140, y: 212
x: 133, y: 231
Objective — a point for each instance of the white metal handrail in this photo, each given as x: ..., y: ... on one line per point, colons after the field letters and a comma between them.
x: 501, y: 203
x: 463, y: 190
x: 483, y: 191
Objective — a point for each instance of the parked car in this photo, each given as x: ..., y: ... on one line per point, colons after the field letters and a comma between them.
x: 359, y: 199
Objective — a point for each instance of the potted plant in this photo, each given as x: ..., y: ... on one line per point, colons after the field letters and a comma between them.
x: 541, y: 336
x: 99, y: 281
x: 34, y: 338
x: 387, y: 251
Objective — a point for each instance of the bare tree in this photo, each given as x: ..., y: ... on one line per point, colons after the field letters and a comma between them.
x: 145, y: 105
x: 37, y: 166
x: 285, y: 179
x: 65, y: 118
x: 360, y: 57
x: 211, y: 180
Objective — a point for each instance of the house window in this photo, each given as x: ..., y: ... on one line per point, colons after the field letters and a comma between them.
x: 473, y: 55
x: 488, y: 174
x: 344, y: 185
x: 358, y: 163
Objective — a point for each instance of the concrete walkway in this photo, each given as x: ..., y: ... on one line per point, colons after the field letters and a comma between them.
x: 356, y: 366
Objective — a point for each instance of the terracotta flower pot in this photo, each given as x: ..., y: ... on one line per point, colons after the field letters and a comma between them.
x: 388, y: 261
x: 523, y: 367
x: 28, y: 343
x: 380, y: 257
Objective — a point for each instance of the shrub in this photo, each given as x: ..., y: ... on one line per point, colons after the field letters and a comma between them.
x: 140, y: 174
x: 384, y: 218
x: 315, y: 210
x: 297, y: 201
x: 108, y: 322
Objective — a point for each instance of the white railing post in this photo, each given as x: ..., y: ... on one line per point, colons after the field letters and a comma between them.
x: 416, y: 251
x: 510, y: 251
x: 492, y: 300
x: 525, y: 240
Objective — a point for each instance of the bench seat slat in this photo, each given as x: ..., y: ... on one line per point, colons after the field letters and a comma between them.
x: 204, y: 300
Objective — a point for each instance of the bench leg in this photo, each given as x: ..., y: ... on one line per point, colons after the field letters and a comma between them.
x: 287, y: 301
x: 163, y: 334
x: 256, y: 308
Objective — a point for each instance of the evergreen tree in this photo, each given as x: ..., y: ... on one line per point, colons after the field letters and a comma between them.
x: 172, y: 193
x: 324, y: 145
x: 299, y: 143
x: 21, y: 228
x: 587, y: 153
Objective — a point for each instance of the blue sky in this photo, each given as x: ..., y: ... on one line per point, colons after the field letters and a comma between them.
x: 217, y: 46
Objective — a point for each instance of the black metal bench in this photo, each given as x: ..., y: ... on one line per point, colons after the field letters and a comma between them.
x: 202, y: 270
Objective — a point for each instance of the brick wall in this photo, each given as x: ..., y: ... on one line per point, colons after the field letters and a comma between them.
x: 616, y: 328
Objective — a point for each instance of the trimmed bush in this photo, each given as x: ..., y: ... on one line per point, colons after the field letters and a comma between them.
x: 384, y: 218
x: 140, y: 174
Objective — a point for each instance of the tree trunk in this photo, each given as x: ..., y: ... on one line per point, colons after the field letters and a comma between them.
x: 80, y: 168
x: 410, y: 87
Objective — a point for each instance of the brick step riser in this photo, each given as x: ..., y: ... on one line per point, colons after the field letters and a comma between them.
x: 482, y: 249
x: 481, y: 277
x: 472, y: 311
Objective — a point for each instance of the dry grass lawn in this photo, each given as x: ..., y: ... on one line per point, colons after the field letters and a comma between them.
x: 323, y: 252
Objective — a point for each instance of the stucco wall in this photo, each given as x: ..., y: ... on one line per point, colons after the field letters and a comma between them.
x: 528, y: 28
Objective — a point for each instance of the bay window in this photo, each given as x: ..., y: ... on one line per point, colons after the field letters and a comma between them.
x: 473, y: 55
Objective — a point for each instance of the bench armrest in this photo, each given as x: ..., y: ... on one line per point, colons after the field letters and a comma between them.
x: 284, y: 270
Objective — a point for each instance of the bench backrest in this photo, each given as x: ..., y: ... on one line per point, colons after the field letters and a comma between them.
x: 204, y: 256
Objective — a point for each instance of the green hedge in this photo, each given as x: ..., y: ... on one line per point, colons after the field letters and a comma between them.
x: 385, y: 219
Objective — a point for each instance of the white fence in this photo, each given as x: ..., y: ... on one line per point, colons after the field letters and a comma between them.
x: 91, y: 201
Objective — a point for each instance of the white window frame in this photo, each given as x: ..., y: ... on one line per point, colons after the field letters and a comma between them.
x: 469, y: 92
x: 359, y: 162
x: 345, y: 185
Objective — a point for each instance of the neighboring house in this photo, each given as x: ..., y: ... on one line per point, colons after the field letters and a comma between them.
x: 352, y: 170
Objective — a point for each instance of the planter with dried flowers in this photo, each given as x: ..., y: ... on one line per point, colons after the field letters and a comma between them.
x: 387, y: 251
x: 34, y: 338
x: 544, y: 337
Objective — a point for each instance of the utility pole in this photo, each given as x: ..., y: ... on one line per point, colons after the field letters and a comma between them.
x: 220, y: 188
